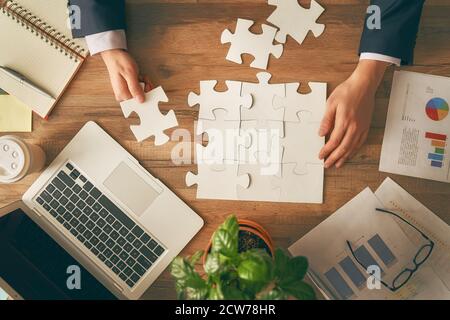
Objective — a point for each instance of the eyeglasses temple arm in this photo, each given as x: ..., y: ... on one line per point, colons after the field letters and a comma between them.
x: 404, y: 220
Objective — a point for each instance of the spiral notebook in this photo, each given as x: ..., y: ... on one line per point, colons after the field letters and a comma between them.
x: 36, y: 41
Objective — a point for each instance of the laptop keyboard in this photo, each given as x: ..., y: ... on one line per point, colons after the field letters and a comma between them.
x: 100, y: 225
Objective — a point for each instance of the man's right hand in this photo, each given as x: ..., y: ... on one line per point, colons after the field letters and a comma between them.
x: 349, y: 113
x: 124, y: 75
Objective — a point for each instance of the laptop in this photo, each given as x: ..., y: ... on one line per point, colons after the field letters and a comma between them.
x: 33, y: 266
x: 119, y: 222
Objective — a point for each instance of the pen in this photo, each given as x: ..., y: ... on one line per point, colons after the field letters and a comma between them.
x: 24, y: 81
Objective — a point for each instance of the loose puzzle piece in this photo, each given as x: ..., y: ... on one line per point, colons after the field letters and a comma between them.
x: 295, y: 103
x: 153, y: 122
x: 300, y: 188
x: 261, y: 185
x: 265, y: 140
x: 263, y: 94
x: 258, y: 45
x: 218, y: 182
x: 296, y: 21
x: 230, y: 100
x: 302, y: 145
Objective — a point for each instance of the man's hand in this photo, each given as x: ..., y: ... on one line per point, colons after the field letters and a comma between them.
x: 124, y: 75
x: 349, y: 113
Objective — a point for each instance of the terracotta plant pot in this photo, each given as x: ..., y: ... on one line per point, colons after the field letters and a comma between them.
x: 251, y: 236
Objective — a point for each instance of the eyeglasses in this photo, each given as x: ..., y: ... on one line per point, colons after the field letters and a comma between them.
x: 421, y: 256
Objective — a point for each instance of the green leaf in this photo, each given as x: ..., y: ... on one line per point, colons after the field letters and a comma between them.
x: 225, y: 239
x: 188, y: 281
x: 275, y: 294
x: 250, y: 289
x: 298, y: 266
x: 180, y: 269
x: 224, y: 243
x: 195, y: 281
x: 196, y: 257
x: 232, y: 226
x: 180, y: 287
x: 215, y: 293
x: 228, y: 274
x: 295, y: 270
x: 212, y: 265
x: 197, y: 293
x: 233, y: 293
x: 281, y: 262
x: 254, y: 268
x: 300, y: 290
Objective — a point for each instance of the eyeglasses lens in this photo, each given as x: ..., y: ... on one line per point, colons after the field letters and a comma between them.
x: 401, y: 279
x: 423, y: 254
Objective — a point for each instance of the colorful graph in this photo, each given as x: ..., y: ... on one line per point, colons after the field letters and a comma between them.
x: 438, y: 142
x: 437, y: 109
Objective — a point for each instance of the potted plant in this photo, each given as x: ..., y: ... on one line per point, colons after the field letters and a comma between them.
x: 234, y: 272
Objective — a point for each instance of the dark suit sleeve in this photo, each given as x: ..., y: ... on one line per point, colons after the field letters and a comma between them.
x: 399, y: 26
x: 99, y: 16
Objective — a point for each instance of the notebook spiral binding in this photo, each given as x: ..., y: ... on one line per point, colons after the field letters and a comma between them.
x: 41, y: 29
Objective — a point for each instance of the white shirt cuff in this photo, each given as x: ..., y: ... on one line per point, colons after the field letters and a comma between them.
x: 380, y: 57
x: 107, y: 40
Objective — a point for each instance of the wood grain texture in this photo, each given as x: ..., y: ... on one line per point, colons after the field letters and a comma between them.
x: 177, y: 43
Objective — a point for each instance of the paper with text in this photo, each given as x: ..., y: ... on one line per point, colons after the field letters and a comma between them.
x: 417, y: 135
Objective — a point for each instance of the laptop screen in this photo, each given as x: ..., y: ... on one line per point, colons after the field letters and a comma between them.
x: 37, y: 268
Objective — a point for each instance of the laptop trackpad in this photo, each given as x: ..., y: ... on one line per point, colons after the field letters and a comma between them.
x: 132, y: 190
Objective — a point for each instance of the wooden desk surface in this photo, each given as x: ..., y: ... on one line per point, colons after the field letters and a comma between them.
x: 177, y: 42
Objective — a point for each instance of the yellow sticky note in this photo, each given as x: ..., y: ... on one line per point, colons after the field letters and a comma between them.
x: 14, y: 115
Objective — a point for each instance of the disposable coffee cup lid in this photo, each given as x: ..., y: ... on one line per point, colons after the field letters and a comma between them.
x: 14, y: 159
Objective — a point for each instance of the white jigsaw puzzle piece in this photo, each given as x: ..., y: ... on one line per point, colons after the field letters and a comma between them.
x: 263, y: 95
x: 224, y: 139
x: 261, y: 185
x: 296, y: 21
x: 300, y: 188
x: 302, y: 145
x: 271, y: 161
x: 265, y: 138
x: 153, y: 122
x: 258, y: 45
x: 295, y: 103
x: 218, y: 182
x: 231, y: 100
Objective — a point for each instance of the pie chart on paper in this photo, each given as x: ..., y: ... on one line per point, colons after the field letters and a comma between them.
x: 437, y: 109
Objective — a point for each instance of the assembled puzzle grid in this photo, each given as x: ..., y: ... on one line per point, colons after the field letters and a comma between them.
x: 263, y: 142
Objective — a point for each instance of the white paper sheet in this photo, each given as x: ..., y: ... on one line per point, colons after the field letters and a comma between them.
x: 395, y: 198
x: 416, y: 140
x: 357, y: 221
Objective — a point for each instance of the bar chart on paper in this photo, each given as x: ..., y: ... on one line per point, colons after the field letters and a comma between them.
x: 438, y: 145
x: 348, y: 278
x: 416, y: 140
